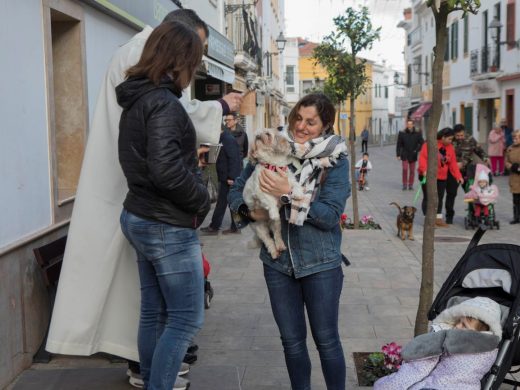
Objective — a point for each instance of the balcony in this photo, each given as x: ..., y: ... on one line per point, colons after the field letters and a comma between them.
x: 484, y: 61
x: 241, y: 31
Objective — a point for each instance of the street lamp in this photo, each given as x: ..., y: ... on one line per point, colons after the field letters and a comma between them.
x: 495, y: 26
x: 417, y: 69
x: 280, y: 44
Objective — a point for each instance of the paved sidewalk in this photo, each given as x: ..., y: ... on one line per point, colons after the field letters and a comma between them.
x: 239, y: 344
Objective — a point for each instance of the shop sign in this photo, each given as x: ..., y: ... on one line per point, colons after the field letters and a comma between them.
x: 136, y: 13
x: 220, y: 48
x: 485, y: 89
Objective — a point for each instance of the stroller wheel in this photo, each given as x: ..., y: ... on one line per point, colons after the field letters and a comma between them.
x: 497, y: 225
x: 466, y: 223
x: 207, y: 300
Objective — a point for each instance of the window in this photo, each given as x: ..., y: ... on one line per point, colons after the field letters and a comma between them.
x: 289, y: 74
x: 510, y: 25
x: 447, y: 49
x: 386, y: 92
x: 454, y: 40
x: 306, y: 86
x: 67, y: 107
x: 466, y: 31
x: 485, y: 30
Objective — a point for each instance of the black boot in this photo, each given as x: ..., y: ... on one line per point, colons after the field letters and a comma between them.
x: 516, y: 217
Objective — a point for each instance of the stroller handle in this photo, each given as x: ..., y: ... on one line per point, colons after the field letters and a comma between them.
x: 476, y: 237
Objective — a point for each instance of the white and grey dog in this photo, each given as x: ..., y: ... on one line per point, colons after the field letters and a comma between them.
x: 269, y: 150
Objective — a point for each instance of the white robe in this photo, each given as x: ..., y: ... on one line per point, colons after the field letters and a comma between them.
x: 98, y: 299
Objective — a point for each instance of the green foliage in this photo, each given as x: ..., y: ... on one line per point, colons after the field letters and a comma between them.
x: 346, y: 73
x: 455, y: 5
x: 374, y: 368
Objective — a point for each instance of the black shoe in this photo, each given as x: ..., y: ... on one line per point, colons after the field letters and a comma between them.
x: 208, y: 230
x: 190, y: 358
x: 193, y: 348
x: 514, y: 221
x: 405, y: 187
x: 410, y: 188
x: 449, y: 221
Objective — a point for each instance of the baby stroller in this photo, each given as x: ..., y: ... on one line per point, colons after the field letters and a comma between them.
x: 471, y: 221
x: 493, y: 271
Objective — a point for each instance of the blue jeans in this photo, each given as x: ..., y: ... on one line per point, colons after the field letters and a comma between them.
x: 169, y: 259
x: 319, y: 293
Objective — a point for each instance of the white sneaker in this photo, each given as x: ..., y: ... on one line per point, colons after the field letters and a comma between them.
x: 136, y: 380
x: 367, y: 188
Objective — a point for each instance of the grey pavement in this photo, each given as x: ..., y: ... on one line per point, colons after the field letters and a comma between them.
x: 240, y: 346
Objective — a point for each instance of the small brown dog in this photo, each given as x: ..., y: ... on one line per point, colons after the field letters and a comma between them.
x: 405, y: 221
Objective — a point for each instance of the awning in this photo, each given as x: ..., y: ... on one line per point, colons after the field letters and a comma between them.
x: 218, y: 70
x: 419, y: 113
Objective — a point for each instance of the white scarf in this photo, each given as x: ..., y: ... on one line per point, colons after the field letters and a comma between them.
x: 313, y: 157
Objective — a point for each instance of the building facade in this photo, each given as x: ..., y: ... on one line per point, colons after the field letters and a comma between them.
x: 481, y: 77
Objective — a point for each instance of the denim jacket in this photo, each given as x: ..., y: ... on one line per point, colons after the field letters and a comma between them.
x: 315, y: 246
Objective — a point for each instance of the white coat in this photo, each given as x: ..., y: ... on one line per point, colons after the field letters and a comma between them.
x: 98, y: 299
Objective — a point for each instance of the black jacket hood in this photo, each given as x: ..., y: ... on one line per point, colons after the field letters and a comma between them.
x: 133, y: 88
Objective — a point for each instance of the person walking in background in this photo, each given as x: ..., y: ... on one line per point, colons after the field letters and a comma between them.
x: 77, y: 326
x: 466, y: 151
x: 513, y: 164
x: 446, y: 161
x: 307, y: 277
x: 508, y: 134
x: 364, y: 140
x: 231, y: 123
x: 496, y: 147
x: 229, y: 166
x: 409, y: 142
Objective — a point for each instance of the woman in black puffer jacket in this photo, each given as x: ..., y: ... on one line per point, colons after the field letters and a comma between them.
x: 166, y: 200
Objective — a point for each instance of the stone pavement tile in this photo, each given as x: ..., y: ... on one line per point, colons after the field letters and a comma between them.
x: 229, y: 343
x: 372, y: 300
x: 207, y: 377
x: 247, y: 358
x: 356, y: 331
x: 406, y: 292
x: 266, y: 377
x: 370, y: 284
x: 270, y: 343
x: 75, y: 378
x: 395, y: 319
x: 394, y: 332
x: 386, y: 310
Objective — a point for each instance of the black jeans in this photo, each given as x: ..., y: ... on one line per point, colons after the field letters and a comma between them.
x: 364, y: 146
x: 221, y: 206
x: 441, y: 189
x: 451, y: 194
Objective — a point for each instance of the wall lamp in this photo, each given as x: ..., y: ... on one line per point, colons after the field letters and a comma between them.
x: 280, y: 44
x: 230, y: 8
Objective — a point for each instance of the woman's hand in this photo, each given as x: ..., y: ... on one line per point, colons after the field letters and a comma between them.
x: 201, y: 153
x: 274, y: 183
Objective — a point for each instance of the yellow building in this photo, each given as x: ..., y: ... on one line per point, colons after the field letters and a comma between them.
x: 312, y: 77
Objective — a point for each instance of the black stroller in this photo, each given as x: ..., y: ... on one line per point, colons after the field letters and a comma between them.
x: 493, y: 271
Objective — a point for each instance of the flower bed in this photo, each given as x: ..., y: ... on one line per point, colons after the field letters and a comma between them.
x: 367, y: 222
x: 370, y: 366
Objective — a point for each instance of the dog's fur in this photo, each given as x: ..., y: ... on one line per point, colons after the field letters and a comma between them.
x: 405, y: 221
x: 272, y: 148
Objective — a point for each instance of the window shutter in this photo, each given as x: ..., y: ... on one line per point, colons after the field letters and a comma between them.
x: 510, y: 25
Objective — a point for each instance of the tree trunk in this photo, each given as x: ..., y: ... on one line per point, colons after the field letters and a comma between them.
x: 426, y: 293
x: 352, y: 142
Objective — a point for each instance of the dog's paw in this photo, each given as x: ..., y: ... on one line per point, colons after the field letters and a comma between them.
x: 280, y: 246
x: 411, y: 238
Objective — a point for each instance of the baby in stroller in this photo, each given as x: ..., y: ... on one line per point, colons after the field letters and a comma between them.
x: 459, y: 351
x: 481, y: 195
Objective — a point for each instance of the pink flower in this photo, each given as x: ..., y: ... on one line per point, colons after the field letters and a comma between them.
x: 343, y: 217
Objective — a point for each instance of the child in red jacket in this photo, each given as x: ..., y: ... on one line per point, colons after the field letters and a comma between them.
x: 446, y: 160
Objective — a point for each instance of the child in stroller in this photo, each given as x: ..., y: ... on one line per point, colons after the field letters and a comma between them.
x: 456, y: 355
x: 363, y: 166
x: 481, y: 196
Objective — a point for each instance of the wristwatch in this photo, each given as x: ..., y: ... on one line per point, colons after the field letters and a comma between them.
x: 285, y: 198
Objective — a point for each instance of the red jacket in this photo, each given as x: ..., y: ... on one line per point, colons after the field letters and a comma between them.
x: 444, y: 162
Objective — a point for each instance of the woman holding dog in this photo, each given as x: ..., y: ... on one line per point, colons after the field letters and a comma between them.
x: 308, y: 274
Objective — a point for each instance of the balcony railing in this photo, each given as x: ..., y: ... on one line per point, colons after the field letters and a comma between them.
x: 485, y: 60
x: 242, y: 32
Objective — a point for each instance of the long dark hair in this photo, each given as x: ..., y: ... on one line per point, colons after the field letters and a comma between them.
x: 173, y: 49
x: 324, y: 107
x: 189, y: 17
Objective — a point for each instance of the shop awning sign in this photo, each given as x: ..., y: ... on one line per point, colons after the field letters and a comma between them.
x: 485, y: 89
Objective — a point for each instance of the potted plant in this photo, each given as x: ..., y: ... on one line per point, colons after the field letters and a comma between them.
x: 372, y: 366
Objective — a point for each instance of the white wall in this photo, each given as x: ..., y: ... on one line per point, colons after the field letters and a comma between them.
x: 291, y: 58
x: 211, y: 11
x: 24, y: 160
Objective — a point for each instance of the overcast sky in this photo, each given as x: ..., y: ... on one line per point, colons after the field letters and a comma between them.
x: 312, y: 19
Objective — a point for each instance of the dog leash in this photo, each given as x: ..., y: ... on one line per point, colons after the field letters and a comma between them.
x: 419, y: 190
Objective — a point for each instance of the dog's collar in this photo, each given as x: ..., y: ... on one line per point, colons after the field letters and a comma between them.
x: 273, y: 167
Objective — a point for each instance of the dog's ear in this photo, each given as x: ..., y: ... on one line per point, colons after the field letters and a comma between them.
x: 414, y: 209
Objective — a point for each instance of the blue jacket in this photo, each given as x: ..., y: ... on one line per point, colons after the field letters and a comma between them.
x: 229, y: 163
x: 315, y: 246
